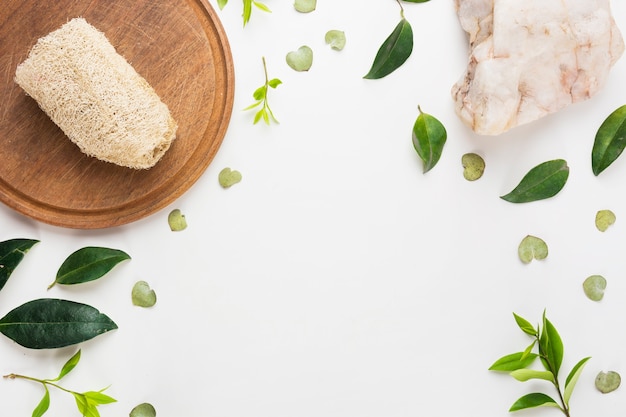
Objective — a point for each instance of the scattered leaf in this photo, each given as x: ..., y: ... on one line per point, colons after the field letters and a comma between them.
x: 88, y: 264
x: 247, y: 9
x: 608, y: 381
x: 142, y: 295
x: 394, y: 51
x: 610, y: 141
x: 260, y: 97
x: 177, y: 221
x: 604, y: 219
x: 473, y: 166
x: 11, y: 254
x: 143, y: 410
x: 222, y: 3
x: 536, y: 399
x: 52, y: 323
x: 429, y: 138
x: 305, y: 6
x: 543, y: 181
x: 513, y: 362
x: 594, y: 287
x: 228, y: 177
x: 336, y: 39
x: 532, y: 247
x: 301, y: 59
x: 572, y: 379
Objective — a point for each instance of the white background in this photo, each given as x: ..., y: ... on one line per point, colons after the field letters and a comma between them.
x: 337, y: 279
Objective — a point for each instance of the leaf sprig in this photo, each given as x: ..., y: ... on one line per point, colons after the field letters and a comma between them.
x: 550, y: 353
x: 86, y: 402
x: 247, y: 8
x: 260, y: 95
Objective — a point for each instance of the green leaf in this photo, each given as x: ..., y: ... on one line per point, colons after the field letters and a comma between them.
x: 260, y: 93
x: 88, y: 264
x: 98, y: 398
x: 610, y: 141
x: 394, y: 51
x: 11, y: 254
x: 572, y: 378
x: 552, y: 346
x: 68, y: 367
x: 543, y: 181
x: 274, y: 82
x: 532, y: 247
x: 142, y: 295
x: 43, y: 405
x: 336, y: 39
x: 222, y: 3
x: 52, y: 323
x: 143, y: 410
x: 513, y: 362
x: 608, y: 381
x: 605, y: 219
x: 594, y: 287
x: 229, y: 177
x: 253, y: 105
x: 525, y: 325
x: 262, y: 6
x: 305, y: 6
x: 524, y: 375
x: 301, y: 59
x: 176, y: 220
x: 529, y: 349
x: 473, y: 166
x: 429, y: 138
x: 85, y: 407
x: 533, y: 400
x: 247, y: 11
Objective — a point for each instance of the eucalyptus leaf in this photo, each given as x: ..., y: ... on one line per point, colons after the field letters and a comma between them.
x: 536, y: 399
x: 88, y: 264
x: 608, y: 381
x: 143, y: 410
x: 572, y: 379
x: 541, y: 182
x: 473, y: 166
x: 610, y: 141
x: 594, y: 287
x: 142, y: 295
x: 513, y: 362
x: 229, y: 177
x: 49, y: 323
x: 11, y: 254
x: 532, y: 247
x: 176, y: 220
x: 528, y: 374
x: 305, y: 6
x: 604, y: 219
x: 394, y: 51
x: 336, y: 39
x: 301, y: 59
x: 429, y: 138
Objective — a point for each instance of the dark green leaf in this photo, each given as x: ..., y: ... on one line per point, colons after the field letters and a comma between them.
x: 610, y: 141
x: 11, y: 254
x: 533, y: 400
x: 416, y: 1
x: 572, y: 378
x: 393, y: 52
x: 552, y: 346
x: 88, y: 264
x: 543, y: 181
x: 513, y: 362
x: 429, y: 138
x: 525, y: 325
x: 52, y: 323
x: 43, y: 405
x: 68, y: 367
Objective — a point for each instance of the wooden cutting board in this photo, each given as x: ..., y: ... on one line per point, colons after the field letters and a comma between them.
x: 178, y: 46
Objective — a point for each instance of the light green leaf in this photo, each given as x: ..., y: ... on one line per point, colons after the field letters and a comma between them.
x: 541, y: 182
x: 301, y: 59
x: 85, y: 407
x: 68, y: 367
x: 572, y: 378
x: 305, y: 6
x: 88, y: 264
x: 98, y: 398
x: 262, y: 6
x: 177, y: 221
x: 529, y: 349
x: 610, y: 141
x: 525, y: 325
x: 604, y: 219
x: 532, y: 247
x: 473, y: 166
x: 533, y: 400
x: 524, y: 375
x: 222, y: 3
x: 394, y: 51
x: 594, y: 287
x: 608, y: 381
x: 143, y: 410
x: 429, y: 138
x: 260, y: 93
x: 513, y: 362
x: 336, y: 39
x: 552, y: 346
x: 274, y: 82
x: 142, y: 295
x: 43, y: 405
x: 229, y: 177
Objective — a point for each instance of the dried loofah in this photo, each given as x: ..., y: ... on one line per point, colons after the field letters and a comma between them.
x: 96, y: 97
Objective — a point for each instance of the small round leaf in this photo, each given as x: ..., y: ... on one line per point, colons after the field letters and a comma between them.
x: 177, y: 221
x: 143, y: 410
x: 301, y: 59
x: 608, y: 381
x: 305, y: 6
x: 604, y: 219
x: 473, y: 166
x: 532, y: 247
x: 228, y: 177
x: 142, y: 295
x: 594, y: 287
x: 336, y: 39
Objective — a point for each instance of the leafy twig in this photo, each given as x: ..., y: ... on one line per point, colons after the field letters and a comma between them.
x: 247, y: 8
x: 260, y: 95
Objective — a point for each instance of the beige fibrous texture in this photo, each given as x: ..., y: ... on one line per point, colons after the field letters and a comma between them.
x: 531, y: 58
x: 96, y: 97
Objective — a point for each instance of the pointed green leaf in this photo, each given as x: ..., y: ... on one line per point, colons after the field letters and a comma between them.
x: 394, y: 51
x: 429, y: 138
x: 529, y: 349
x: 98, y: 398
x: 525, y: 325
x: 247, y: 11
x: 274, y: 82
x: 88, y: 264
x: 513, y: 362
x: 524, y: 375
x: 52, y: 323
x: 554, y: 348
x: 572, y: 378
x: 543, y: 181
x: 533, y: 400
x: 262, y: 6
x: 305, y: 6
x: 221, y: 3
x: 610, y: 141
x: 68, y: 367
x: 253, y: 105
x: 43, y: 405
x: 11, y: 254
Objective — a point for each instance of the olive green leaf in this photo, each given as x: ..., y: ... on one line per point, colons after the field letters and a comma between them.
x: 336, y: 39
x: 543, y: 181
x: 513, y: 362
x: 49, y: 323
x: 608, y: 381
x: 594, y: 287
x: 394, y: 51
x: 525, y: 325
x: 473, y: 166
x: 536, y: 399
x: 532, y: 247
x: 610, y: 141
x: 88, y: 264
x: 142, y: 295
x: 429, y: 138
x: 43, y: 405
x: 604, y: 219
x: 11, y: 254
x: 524, y: 375
x: 300, y: 59
x: 143, y: 410
x: 305, y: 6
x: 572, y: 379
x: 227, y: 177
x: 177, y: 221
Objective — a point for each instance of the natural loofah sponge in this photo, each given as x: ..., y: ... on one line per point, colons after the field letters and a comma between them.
x: 96, y: 97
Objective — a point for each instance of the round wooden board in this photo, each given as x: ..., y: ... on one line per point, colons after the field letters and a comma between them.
x: 178, y: 46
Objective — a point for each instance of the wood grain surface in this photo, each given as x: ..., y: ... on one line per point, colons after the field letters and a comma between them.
x: 178, y: 46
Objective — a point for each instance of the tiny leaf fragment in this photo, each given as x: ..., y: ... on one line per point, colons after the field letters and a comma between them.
x: 473, y: 166
x: 143, y: 410
x: 228, y: 177
x: 541, y: 182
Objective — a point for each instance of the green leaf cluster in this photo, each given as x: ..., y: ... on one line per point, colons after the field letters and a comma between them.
x: 260, y: 96
x: 86, y: 402
x: 247, y: 8
x: 549, y: 350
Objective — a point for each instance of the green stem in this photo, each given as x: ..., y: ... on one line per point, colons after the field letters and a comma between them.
x: 564, y: 408
x: 401, y: 8
x: 41, y: 381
